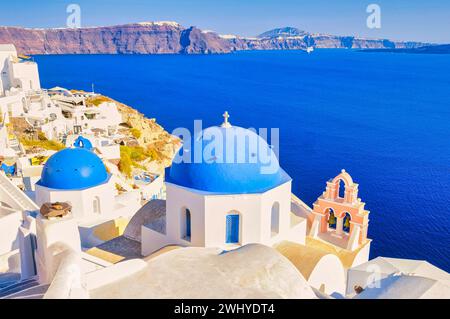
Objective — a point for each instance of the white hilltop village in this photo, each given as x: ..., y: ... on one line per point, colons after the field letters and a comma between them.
x: 77, y: 222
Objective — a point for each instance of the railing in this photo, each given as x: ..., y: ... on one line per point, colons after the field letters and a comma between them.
x: 16, y: 194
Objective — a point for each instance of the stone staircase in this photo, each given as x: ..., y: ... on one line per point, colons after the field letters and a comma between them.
x: 19, y: 197
x: 7, y: 279
x: 24, y: 289
x: 19, y: 149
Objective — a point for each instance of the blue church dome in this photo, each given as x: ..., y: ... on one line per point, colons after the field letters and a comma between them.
x: 72, y: 169
x: 235, y: 168
x: 82, y: 142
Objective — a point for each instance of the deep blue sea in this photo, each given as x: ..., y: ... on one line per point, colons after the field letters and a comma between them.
x: 383, y: 117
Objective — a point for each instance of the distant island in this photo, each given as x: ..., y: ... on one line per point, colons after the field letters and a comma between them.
x: 429, y: 49
x: 172, y: 38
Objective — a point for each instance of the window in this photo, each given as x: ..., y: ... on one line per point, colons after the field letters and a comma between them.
x: 331, y: 219
x: 96, y: 205
x: 232, y: 228
x: 341, y: 189
x: 275, y: 219
x: 346, y: 222
x: 185, y: 224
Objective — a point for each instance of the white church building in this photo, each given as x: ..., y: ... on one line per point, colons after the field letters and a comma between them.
x: 79, y: 177
x: 226, y: 201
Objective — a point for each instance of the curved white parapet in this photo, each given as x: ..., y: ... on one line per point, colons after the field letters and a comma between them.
x: 114, y: 273
x: 67, y: 282
x: 328, y: 275
x: 252, y: 271
x: 323, y: 271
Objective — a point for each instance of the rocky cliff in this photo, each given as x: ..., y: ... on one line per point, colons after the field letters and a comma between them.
x: 289, y: 38
x: 141, y: 38
x: 433, y: 49
x: 171, y: 37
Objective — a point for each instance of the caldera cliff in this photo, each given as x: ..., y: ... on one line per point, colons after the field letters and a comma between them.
x: 173, y: 38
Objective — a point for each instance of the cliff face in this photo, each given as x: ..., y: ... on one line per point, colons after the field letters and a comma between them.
x: 194, y: 40
x: 339, y: 42
x: 268, y: 44
x: 144, y: 38
x: 170, y: 37
x: 293, y: 39
x: 434, y: 49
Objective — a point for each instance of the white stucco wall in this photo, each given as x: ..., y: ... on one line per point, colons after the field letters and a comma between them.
x: 54, y: 129
x: 362, y: 256
x: 54, y: 238
x: 155, y: 188
x: 329, y: 275
x: 177, y: 199
x: 12, y: 105
x: 249, y: 207
x: 110, y: 152
x: 10, y: 221
x: 153, y: 241
x: 208, y: 218
x: 3, y: 139
x: 282, y: 196
x: 6, y: 52
x: 208, y: 215
x: 110, y: 114
x: 26, y: 75
x: 82, y: 201
x: 106, y: 146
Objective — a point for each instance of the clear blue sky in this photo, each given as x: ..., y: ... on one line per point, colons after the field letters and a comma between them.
x: 422, y: 20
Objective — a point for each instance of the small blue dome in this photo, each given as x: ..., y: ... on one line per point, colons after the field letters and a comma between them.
x: 236, y: 168
x: 82, y: 142
x: 72, y: 169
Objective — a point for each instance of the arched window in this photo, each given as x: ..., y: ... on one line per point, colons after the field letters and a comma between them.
x: 346, y: 222
x: 275, y: 219
x: 185, y: 224
x: 232, y: 228
x: 188, y: 224
x: 341, y: 189
x: 96, y: 205
x: 331, y: 218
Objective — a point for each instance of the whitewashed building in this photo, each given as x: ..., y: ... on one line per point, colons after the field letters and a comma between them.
x: 217, y: 203
x: 16, y: 72
x: 104, y: 146
x: 79, y: 177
